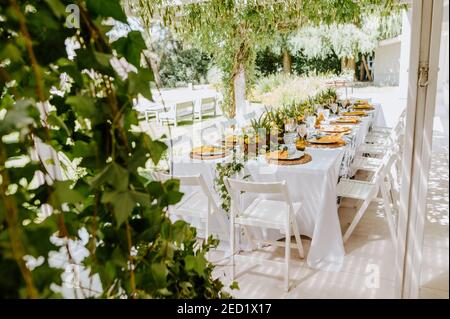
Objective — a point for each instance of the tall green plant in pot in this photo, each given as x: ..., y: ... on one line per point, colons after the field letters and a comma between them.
x: 82, y: 108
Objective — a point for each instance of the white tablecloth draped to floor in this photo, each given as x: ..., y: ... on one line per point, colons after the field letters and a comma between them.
x: 313, y: 184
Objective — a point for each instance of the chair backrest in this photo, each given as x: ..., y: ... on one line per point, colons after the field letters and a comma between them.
x: 235, y: 187
x: 387, y: 162
x: 190, y: 180
x: 208, y: 102
x: 184, y: 106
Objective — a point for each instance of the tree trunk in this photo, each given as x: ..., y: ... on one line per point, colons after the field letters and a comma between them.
x: 239, y: 92
x: 366, y: 67
x: 351, y: 65
x: 287, y: 61
x: 348, y: 64
x: 361, y: 71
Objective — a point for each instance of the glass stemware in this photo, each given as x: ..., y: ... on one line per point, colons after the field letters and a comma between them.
x: 290, y: 125
x: 334, y: 108
x: 326, y: 114
x: 310, y: 121
x: 302, y: 130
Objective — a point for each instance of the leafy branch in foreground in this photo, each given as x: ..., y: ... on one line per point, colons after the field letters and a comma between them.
x: 77, y: 113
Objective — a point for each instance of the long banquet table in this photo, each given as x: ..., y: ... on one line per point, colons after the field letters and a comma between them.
x: 313, y: 184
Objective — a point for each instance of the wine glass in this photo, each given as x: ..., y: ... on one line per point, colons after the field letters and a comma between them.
x: 290, y: 125
x: 334, y: 108
x: 310, y: 121
x: 326, y: 114
x: 319, y: 109
x: 302, y: 130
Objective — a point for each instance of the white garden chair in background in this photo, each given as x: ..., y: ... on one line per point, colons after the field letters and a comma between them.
x: 179, y: 111
x: 206, y: 106
x: 367, y: 191
x: 264, y: 213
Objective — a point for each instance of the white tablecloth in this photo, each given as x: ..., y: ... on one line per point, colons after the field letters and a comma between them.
x: 313, y: 184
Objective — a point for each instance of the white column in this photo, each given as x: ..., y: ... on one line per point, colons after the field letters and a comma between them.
x: 421, y: 99
x: 405, y: 49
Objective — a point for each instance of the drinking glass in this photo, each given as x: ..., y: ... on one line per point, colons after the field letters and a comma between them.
x: 319, y: 109
x: 310, y: 121
x: 290, y: 125
x: 326, y: 114
x: 302, y: 130
x: 334, y: 108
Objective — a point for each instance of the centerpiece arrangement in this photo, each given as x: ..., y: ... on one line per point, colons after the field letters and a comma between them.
x: 272, y: 123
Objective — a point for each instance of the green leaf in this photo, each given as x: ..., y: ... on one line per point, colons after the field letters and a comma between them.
x: 159, y: 272
x: 141, y: 198
x: 114, y: 174
x: 156, y: 149
x: 83, y: 105
x: 123, y: 204
x: 139, y: 83
x: 57, y: 7
x: 189, y: 262
x: 54, y: 120
x: 103, y: 58
x: 107, y: 8
x: 130, y: 47
x: 234, y: 285
x: 62, y: 193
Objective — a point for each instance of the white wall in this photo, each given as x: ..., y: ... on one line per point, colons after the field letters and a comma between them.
x: 387, y: 63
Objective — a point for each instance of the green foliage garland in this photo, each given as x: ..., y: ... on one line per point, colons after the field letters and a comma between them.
x: 86, y: 114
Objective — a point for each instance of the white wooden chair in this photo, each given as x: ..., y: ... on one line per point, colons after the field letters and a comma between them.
x: 198, y: 204
x: 206, y: 106
x: 367, y: 191
x: 373, y: 165
x: 385, y: 135
x: 378, y: 145
x: 179, y: 111
x: 384, y: 130
x: 264, y: 213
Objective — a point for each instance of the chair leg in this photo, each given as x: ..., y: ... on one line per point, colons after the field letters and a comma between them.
x: 249, y: 237
x: 287, y: 256
x: 207, y: 229
x: 388, y: 212
x: 298, y: 240
x: 356, y: 219
x: 232, y: 245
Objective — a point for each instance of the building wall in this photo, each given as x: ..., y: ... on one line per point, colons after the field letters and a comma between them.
x: 387, y: 64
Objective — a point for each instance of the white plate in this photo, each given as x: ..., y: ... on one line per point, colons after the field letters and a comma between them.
x: 297, y: 155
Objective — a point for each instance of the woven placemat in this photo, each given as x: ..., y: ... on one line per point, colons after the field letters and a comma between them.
x: 206, y: 157
x: 334, y: 145
x: 345, y: 123
x: 306, y: 158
